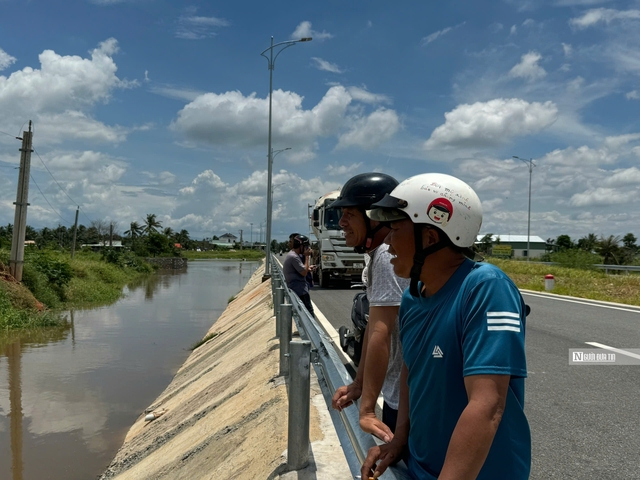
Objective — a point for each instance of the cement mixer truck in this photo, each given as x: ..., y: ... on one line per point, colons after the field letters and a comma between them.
x: 335, y: 261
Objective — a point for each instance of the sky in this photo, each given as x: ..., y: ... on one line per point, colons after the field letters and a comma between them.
x: 157, y: 106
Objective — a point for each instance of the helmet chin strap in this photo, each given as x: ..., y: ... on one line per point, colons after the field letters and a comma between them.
x: 371, y: 232
x: 420, y: 256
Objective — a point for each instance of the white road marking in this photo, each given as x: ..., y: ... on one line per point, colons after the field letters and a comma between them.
x: 613, y: 349
x: 589, y: 303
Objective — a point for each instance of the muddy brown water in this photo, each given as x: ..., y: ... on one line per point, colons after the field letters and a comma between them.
x: 68, y: 396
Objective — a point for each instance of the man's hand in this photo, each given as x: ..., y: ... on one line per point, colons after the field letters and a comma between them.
x: 346, y: 395
x: 371, y: 424
x: 383, y: 455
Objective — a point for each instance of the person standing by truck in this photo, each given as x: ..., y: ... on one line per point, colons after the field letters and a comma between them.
x: 295, y: 269
x: 381, y: 361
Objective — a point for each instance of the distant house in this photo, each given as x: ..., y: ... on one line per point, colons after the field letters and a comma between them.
x: 96, y: 247
x: 228, y: 238
x: 29, y: 243
x: 515, y: 246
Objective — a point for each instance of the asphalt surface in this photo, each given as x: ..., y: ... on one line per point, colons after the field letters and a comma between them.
x: 584, y: 418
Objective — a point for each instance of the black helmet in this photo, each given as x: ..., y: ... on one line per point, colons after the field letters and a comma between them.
x: 301, y: 240
x: 361, y: 192
x: 365, y: 189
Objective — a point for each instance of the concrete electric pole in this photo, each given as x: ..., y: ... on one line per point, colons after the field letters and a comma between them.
x: 16, y: 260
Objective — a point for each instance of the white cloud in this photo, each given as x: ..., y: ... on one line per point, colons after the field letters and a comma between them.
x: 568, y: 49
x: 435, y: 35
x: 57, y: 95
x: 55, y: 128
x: 304, y: 30
x: 623, y: 178
x: 600, y: 197
x: 528, y: 67
x: 581, y: 157
x: 321, y: 64
x: 213, y: 205
x: 63, y: 82
x: 491, y: 123
x: 369, y: 132
x: 6, y: 60
x: 342, y: 170
x: 616, y: 142
x: 363, y: 95
x: 177, y: 93
x: 162, y: 178
x: 195, y: 27
x: 572, y: 3
x: 633, y: 95
x: 606, y: 15
x: 513, y: 30
x: 232, y: 119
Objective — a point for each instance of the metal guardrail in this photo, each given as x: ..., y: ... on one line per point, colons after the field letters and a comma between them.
x: 331, y: 374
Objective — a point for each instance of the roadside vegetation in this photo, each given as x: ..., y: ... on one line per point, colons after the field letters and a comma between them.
x: 52, y: 281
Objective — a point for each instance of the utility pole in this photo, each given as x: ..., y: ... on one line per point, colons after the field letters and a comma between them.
x: 240, y: 239
x: 16, y: 260
x: 111, y: 234
x: 75, y: 232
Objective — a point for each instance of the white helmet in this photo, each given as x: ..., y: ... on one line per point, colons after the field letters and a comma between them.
x: 434, y: 199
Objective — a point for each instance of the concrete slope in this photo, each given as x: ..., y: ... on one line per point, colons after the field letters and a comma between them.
x: 226, y: 408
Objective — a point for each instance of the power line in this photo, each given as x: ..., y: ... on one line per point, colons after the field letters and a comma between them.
x: 45, y: 198
x: 60, y: 186
x: 8, y: 134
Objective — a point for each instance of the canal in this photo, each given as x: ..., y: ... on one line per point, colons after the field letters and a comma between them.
x: 68, y: 396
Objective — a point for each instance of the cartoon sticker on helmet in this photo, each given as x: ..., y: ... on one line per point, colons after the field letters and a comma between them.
x: 440, y: 211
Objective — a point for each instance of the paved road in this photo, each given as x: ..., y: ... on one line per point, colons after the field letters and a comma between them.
x: 584, y: 419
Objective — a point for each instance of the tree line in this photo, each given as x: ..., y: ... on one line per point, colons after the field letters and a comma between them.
x: 611, y: 250
x: 146, y: 238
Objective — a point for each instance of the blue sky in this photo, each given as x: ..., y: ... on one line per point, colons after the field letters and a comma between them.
x: 149, y: 106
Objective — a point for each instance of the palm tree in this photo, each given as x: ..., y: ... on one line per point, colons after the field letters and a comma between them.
x: 609, y: 249
x: 168, y: 232
x: 135, y: 230
x: 151, y: 224
x: 588, y: 243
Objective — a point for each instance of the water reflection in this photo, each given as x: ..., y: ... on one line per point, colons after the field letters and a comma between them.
x: 69, y: 395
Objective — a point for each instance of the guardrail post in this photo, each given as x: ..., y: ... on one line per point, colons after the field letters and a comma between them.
x: 286, y: 329
x: 299, y: 393
x: 277, y: 302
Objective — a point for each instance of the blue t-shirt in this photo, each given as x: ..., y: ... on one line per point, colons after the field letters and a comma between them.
x: 474, y: 325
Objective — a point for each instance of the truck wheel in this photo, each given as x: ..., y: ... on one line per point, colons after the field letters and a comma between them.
x: 324, y: 278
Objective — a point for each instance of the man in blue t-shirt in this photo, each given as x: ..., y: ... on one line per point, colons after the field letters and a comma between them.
x: 462, y: 328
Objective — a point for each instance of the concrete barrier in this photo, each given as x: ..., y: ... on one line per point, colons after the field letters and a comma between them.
x: 225, y: 412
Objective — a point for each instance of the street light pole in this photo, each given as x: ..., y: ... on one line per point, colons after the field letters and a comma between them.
x: 530, y: 164
x: 251, y: 235
x: 271, y: 59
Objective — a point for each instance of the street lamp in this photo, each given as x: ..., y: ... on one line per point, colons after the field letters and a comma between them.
x: 530, y: 164
x: 271, y: 63
x: 251, y: 235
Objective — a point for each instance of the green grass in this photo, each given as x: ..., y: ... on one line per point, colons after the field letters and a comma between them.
x: 224, y: 254
x: 12, y: 318
x: 576, y: 282
x: 53, y: 280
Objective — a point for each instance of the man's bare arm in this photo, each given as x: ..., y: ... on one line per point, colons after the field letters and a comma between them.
x: 476, y: 427
x: 382, y: 321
